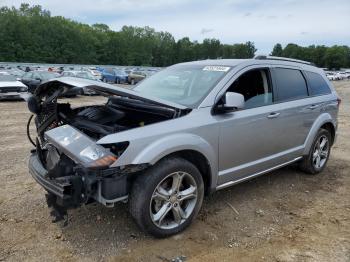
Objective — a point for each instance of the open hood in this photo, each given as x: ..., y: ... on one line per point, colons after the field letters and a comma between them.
x: 69, y: 83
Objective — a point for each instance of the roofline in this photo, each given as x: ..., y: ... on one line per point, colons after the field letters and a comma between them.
x: 265, y: 57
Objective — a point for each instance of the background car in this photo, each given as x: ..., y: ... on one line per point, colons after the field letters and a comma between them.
x: 344, y: 75
x: 81, y: 74
x: 14, y: 72
x: 11, y: 88
x: 97, y: 74
x: 4, y: 73
x: 114, y: 75
x: 34, y: 78
x: 331, y: 76
x: 135, y: 77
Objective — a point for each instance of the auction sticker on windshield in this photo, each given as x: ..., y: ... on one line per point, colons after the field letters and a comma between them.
x: 216, y: 68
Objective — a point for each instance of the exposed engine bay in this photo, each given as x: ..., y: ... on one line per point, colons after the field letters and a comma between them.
x: 118, y: 114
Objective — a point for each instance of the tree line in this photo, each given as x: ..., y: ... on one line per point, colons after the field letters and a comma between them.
x: 31, y: 34
x: 333, y: 57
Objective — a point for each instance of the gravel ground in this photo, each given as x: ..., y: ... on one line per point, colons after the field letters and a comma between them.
x: 282, y: 216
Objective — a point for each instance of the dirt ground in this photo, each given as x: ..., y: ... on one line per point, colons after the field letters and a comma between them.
x: 282, y: 216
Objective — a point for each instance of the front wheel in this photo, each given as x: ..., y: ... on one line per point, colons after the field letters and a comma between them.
x: 319, y: 153
x: 166, y: 199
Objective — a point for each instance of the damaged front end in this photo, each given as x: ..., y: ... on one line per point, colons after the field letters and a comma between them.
x: 67, y: 160
x: 75, y: 170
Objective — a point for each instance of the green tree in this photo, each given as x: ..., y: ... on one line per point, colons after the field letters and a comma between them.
x: 277, y: 50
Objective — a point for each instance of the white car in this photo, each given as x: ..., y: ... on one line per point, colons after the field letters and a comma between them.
x: 95, y: 73
x: 344, y: 75
x: 331, y: 76
x: 10, y: 88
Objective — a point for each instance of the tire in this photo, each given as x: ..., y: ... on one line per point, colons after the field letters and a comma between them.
x: 132, y: 82
x: 117, y: 81
x: 309, y: 163
x: 146, y: 198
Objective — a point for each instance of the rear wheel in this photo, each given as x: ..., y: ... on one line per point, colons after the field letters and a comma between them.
x: 166, y: 199
x: 319, y: 153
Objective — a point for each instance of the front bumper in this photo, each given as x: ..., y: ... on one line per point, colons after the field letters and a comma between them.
x: 67, y: 189
x: 84, y: 186
x: 10, y: 95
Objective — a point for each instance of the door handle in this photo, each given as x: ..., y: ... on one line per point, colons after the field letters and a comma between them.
x: 312, y: 107
x: 273, y: 115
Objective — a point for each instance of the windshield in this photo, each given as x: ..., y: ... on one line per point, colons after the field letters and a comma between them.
x: 183, y: 84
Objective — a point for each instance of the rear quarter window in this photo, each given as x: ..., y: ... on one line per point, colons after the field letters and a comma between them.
x: 317, y: 85
x: 290, y: 84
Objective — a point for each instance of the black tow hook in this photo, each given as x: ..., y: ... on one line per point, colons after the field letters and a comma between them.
x: 59, y: 213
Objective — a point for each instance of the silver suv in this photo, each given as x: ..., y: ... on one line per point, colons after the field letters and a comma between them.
x: 187, y: 131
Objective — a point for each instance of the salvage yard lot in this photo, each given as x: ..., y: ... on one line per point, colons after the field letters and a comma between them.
x: 283, y: 216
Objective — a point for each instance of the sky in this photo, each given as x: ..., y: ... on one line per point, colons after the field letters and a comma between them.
x: 264, y: 22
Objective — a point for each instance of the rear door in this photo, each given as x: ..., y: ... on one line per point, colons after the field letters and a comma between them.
x: 296, y: 110
x: 318, y: 91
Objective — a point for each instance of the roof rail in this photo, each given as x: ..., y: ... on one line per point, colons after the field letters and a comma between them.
x: 265, y: 57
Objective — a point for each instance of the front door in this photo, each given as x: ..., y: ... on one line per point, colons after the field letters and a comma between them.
x: 250, y: 139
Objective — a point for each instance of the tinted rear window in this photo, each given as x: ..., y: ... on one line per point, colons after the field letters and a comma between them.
x: 317, y: 85
x: 290, y: 84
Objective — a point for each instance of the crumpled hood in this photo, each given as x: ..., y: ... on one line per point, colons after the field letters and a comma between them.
x: 69, y: 83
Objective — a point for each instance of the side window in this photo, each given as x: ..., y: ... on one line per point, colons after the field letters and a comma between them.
x: 317, y: 85
x: 290, y: 83
x: 255, y: 86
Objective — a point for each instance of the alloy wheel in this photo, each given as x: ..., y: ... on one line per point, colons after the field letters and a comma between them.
x: 173, y: 200
x: 320, y: 152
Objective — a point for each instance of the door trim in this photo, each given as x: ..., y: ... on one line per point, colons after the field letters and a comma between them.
x: 234, y: 182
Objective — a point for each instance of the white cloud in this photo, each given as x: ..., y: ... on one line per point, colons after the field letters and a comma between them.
x: 263, y: 22
x: 206, y: 31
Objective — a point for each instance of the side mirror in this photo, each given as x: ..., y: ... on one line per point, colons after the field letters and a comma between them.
x: 233, y: 101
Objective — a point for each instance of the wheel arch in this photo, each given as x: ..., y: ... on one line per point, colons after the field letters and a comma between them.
x: 323, y: 121
x: 331, y: 129
x: 199, y: 161
x: 188, y: 146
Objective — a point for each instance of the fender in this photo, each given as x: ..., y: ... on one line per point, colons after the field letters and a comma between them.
x: 320, y: 121
x: 178, y: 142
